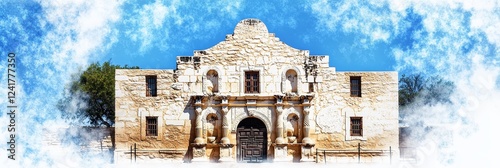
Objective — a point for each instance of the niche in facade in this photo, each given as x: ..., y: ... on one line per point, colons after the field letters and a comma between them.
x: 211, y: 127
x: 292, y: 127
x: 290, y: 82
x: 212, y: 82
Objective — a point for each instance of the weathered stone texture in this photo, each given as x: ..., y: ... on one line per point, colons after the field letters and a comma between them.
x: 312, y: 100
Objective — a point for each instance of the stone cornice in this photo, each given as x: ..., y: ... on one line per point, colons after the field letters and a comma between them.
x: 256, y: 101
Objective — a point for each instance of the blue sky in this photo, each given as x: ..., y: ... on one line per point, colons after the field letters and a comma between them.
x: 152, y: 36
x: 456, y: 39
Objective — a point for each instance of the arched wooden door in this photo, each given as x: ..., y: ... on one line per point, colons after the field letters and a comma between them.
x: 252, y: 140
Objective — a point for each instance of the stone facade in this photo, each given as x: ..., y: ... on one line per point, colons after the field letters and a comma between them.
x: 252, y: 98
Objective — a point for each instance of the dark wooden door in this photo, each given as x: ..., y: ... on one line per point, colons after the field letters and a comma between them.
x: 252, y: 144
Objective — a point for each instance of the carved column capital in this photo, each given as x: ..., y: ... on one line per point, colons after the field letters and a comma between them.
x: 279, y: 98
x: 306, y: 99
x: 198, y: 110
x: 224, y: 99
x: 307, y: 110
x: 198, y: 99
x: 279, y: 109
x: 225, y: 110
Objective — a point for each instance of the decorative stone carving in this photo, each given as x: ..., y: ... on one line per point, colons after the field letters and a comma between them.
x: 307, y: 110
x: 279, y: 124
x: 199, y: 152
x: 306, y: 138
x: 279, y: 98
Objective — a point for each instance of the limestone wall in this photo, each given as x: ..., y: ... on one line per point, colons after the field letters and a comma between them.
x: 378, y: 105
x: 132, y: 107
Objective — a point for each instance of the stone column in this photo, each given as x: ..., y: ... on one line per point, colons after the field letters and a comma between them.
x: 199, y: 139
x: 225, y: 120
x: 199, y: 145
x: 306, y: 140
x: 280, y: 146
x: 307, y: 105
x: 225, y: 145
x: 279, y: 120
x: 307, y: 150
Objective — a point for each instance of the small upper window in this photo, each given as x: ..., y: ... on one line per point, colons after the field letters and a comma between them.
x: 150, y: 86
x: 355, y: 86
x: 356, y: 126
x: 252, y: 82
x: 151, y: 126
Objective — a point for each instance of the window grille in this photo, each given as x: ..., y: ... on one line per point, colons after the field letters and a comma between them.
x: 151, y: 126
x: 356, y: 126
x: 252, y: 82
x: 150, y: 86
x: 355, y: 86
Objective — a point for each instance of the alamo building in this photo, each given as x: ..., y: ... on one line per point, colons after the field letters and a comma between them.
x: 253, y: 98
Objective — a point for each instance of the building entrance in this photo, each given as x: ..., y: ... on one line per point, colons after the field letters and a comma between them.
x: 252, y: 140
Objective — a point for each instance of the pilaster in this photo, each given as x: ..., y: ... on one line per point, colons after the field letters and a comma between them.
x: 226, y: 147
x: 199, y: 145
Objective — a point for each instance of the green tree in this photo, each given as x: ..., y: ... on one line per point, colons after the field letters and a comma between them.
x: 438, y: 90
x: 90, y: 98
x: 417, y: 90
x: 410, y: 87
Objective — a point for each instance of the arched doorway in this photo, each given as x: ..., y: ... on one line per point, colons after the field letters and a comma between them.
x: 251, y: 138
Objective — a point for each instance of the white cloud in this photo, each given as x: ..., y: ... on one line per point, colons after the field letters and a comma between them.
x: 372, y: 20
x: 149, y: 21
x: 158, y: 24
x: 62, y: 37
x: 458, y: 40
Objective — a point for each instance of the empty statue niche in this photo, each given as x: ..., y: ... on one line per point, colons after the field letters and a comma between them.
x: 292, y: 127
x: 290, y: 82
x: 212, y: 127
x: 212, y: 82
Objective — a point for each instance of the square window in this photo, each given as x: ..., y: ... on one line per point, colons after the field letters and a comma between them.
x: 355, y: 86
x: 150, y: 86
x: 252, y: 82
x: 151, y: 126
x: 356, y: 126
